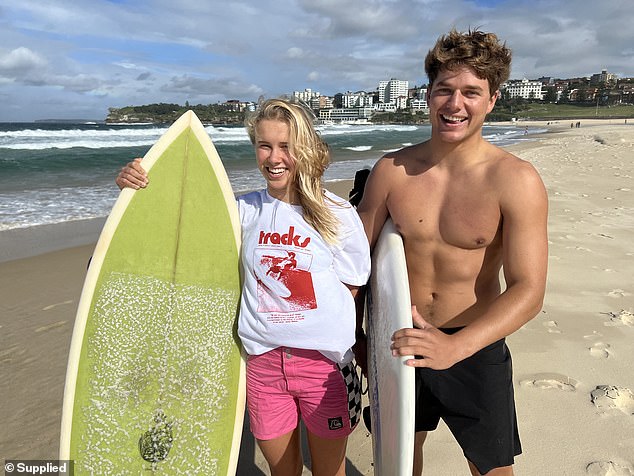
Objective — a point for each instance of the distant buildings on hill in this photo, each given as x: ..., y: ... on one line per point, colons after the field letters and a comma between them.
x: 390, y: 96
x: 604, y: 88
x: 395, y: 95
x: 522, y: 88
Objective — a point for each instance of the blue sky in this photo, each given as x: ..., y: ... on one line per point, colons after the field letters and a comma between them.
x: 76, y: 58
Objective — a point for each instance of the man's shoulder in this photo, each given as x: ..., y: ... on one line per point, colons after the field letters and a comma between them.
x: 504, y: 162
x: 403, y: 157
x: 513, y: 174
x: 410, y: 152
x: 499, y: 160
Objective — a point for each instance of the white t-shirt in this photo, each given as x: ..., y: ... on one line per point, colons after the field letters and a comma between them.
x: 293, y: 293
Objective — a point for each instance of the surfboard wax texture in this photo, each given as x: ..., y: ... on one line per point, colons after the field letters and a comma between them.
x: 160, y: 362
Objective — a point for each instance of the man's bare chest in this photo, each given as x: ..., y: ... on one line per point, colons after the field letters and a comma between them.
x: 467, y: 218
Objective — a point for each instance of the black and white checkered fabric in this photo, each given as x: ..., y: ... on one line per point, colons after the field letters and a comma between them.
x: 351, y: 379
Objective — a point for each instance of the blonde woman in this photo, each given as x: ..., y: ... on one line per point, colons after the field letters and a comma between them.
x: 304, y: 254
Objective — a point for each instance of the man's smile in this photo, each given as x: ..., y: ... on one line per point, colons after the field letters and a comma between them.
x: 453, y: 119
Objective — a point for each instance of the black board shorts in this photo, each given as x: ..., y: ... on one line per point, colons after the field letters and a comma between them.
x: 475, y: 399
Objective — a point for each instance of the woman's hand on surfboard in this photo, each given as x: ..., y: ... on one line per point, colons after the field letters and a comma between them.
x: 434, y: 348
x: 132, y: 175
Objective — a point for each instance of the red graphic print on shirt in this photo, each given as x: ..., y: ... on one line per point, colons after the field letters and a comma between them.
x: 285, y: 283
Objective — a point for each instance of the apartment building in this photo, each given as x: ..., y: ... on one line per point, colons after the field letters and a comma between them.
x: 603, y: 78
x: 342, y: 115
x: 523, y: 88
x: 390, y: 92
x: 358, y: 99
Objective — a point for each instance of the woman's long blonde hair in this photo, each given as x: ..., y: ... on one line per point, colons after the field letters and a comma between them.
x: 312, y: 158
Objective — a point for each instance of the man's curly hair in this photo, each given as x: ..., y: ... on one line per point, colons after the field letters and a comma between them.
x: 483, y: 52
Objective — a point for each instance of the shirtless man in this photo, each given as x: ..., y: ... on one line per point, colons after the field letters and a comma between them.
x: 465, y: 209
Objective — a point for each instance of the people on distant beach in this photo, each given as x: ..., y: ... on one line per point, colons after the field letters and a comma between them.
x: 465, y: 209
x: 303, y: 256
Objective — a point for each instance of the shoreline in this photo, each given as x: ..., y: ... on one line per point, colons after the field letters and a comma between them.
x: 574, y: 386
x: 27, y: 242
x: 24, y: 242
x: 19, y: 243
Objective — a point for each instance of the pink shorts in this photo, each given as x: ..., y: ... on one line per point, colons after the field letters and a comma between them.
x: 284, y: 383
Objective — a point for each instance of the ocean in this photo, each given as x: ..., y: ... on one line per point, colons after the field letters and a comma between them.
x: 57, y: 172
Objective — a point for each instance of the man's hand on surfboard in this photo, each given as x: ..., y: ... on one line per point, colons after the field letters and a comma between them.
x: 132, y: 175
x: 435, y: 349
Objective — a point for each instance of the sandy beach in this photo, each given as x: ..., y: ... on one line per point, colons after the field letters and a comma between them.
x: 574, y: 381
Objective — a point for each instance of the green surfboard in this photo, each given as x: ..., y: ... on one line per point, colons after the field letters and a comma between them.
x: 155, y: 378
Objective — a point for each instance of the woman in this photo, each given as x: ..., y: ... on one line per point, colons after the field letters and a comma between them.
x: 304, y: 254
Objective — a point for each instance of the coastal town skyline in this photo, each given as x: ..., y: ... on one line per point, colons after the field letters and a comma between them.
x: 395, y: 95
x: 75, y: 59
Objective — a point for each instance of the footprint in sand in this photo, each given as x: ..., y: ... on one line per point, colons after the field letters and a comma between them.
x: 554, y: 381
x: 617, y: 293
x: 609, y: 468
x: 583, y: 248
x: 610, y: 397
x: 600, y: 350
x: 552, y: 326
x: 623, y: 318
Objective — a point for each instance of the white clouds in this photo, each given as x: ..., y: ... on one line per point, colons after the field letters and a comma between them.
x: 385, y: 20
x: 126, y: 65
x: 200, y: 89
x: 295, y: 53
x: 80, y: 83
x: 20, y: 62
x: 101, y: 53
x: 24, y: 66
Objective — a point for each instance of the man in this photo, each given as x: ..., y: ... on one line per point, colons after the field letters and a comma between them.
x: 465, y: 208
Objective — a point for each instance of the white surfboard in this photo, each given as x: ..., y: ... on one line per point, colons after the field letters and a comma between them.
x: 391, y: 382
